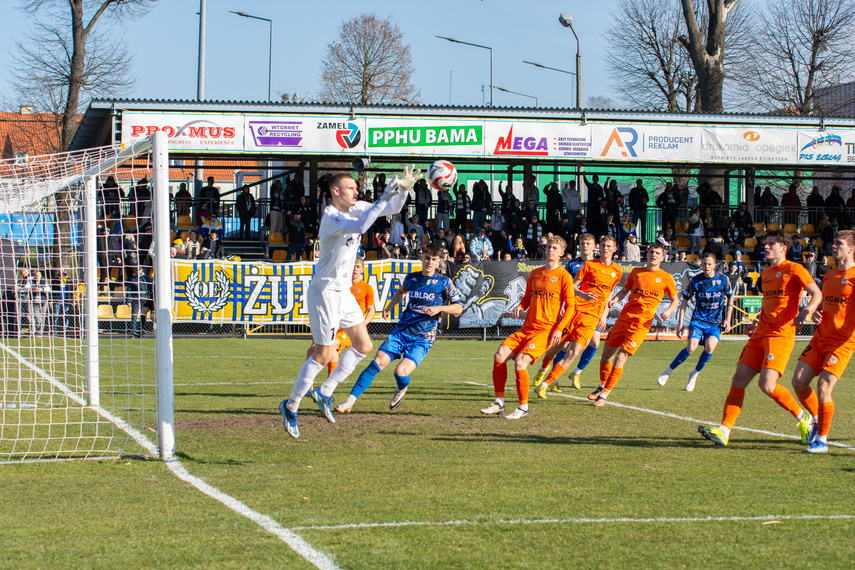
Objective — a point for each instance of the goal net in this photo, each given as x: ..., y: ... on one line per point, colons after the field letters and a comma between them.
x: 85, y: 349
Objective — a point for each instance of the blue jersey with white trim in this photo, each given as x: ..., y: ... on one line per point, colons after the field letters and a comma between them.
x: 711, y: 296
x: 424, y: 292
x: 574, y: 265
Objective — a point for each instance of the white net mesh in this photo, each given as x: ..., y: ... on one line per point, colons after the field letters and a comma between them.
x: 52, y: 405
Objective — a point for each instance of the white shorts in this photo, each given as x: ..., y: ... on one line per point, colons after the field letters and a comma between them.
x: 329, y: 311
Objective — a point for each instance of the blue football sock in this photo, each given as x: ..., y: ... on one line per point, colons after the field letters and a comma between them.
x: 702, y: 361
x: 586, y: 357
x: 365, y: 379
x: 403, y: 381
x: 680, y: 359
x: 560, y: 356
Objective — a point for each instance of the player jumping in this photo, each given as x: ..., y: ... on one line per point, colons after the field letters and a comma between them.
x: 646, y: 287
x: 712, y: 292
x: 328, y: 299
x: 832, y: 344
x: 767, y: 351
x: 429, y: 296
x: 548, y: 289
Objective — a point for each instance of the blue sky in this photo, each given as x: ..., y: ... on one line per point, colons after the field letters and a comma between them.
x: 165, y: 42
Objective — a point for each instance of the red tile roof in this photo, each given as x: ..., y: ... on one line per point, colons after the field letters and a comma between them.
x: 29, y: 134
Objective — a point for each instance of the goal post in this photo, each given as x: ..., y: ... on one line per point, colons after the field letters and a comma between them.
x: 81, y: 265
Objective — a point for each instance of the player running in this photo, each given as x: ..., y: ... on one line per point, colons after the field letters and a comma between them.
x: 712, y: 293
x: 595, y: 282
x: 328, y: 299
x: 587, y: 246
x: 646, y: 287
x: 429, y: 296
x: 548, y: 289
x: 767, y: 351
x: 832, y: 344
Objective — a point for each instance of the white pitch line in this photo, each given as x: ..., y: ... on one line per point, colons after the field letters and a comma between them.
x: 357, y: 526
x: 296, y: 543
x: 676, y: 417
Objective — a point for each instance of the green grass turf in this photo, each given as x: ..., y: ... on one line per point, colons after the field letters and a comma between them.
x: 491, y: 492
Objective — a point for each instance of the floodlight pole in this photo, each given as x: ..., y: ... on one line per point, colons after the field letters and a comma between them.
x: 477, y: 46
x: 270, y: 56
x: 518, y: 93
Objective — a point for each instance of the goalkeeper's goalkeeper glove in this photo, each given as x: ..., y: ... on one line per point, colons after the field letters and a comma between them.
x: 409, y: 177
x: 393, y: 188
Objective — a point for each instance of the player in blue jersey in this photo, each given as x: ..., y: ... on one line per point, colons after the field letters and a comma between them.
x: 429, y: 295
x: 712, y: 293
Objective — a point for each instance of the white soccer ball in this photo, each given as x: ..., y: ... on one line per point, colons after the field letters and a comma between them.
x: 442, y: 175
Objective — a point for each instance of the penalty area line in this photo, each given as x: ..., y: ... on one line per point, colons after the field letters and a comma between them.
x: 356, y: 526
x: 676, y: 417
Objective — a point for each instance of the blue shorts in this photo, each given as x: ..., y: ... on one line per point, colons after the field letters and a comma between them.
x: 702, y: 331
x: 401, y: 345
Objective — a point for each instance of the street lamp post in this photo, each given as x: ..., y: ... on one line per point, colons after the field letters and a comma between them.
x: 518, y: 93
x: 540, y: 65
x: 270, y: 56
x: 567, y: 21
x: 477, y: 46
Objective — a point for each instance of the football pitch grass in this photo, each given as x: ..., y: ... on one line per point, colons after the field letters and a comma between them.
x: 435, y: 485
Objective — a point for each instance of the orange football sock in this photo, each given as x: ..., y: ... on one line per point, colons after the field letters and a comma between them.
x: 522, y: 386
x: 556, y: 373
x: 784, y: 399
x: 500, y: 376
x: 612, y: 381
x: 732, y: 406
x: 605, y: 371
x: 810, y: 401
x: 546, y: 362
x: 826, y: 412
x: 331, y: 366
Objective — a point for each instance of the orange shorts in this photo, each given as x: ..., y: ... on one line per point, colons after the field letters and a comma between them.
x: 771, y: 352
x: 342, y: 338
x: 531, y: 342
x: 627, y: 336
x: 821, y: 356
x: 581, y: 328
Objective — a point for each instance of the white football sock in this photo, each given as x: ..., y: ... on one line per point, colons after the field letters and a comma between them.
x: 307, y: 374
x: 346, y: 364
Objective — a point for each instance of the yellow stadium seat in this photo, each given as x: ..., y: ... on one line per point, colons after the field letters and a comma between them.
x: 791, y: 228
x: 275, y: 237
x: 808, y: 230
x: 683, y: 242
x: 372, y: 254
x: 280, y: 255
x: 750, y: 243
x: 123, y: 312
x: 105, y: 312
x: 772, y: 227
x: 759, y: 227
x: 185, y: 222
x: 184, y: 235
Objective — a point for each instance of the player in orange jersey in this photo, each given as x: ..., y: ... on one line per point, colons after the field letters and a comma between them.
x: 767, y: 351
x: 646, y: 287
x: 832, y: 344
x: 594, y: 284
x: 548, y: 290
x: 364, y: 294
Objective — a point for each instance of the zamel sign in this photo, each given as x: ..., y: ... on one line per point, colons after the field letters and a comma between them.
x: 445, y: 138
x: 214, y: 132
x: 533, y: 138
x: 741, y: 144
x: 826, y: 147
x: 641, y: 142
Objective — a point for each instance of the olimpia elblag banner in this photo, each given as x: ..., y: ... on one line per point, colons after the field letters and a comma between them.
x: 239, y: 292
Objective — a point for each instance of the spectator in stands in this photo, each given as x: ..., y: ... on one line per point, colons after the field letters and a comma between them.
x: 444, y: 205
x: 794, y: 253
x: 202, y: 215
x: 458, y: 248
x: 733, y: 237
x: 507, y: 198
x: 611, y: 195
x: 829, y: 233
x: 833, y: 201
x: 212, y: 245
x: 442, y: 268
x: 843, y: 218
x: 810, y: 263
x: 595, y: 192
x: 441, y: 240
x: 638, y: 200
x: 631, y: 249
x: 497, y: 220
x: 792, y: 205
x: 813, y: 247
x: 397, y: 230
x: 572, y: 199
x: 192, y: 245
x: 554, y: 206
x: 412, y: 247
x: 211, y: 224
x: 620, y: 207
x: 743, y: 220
x: 707, y: 196
x: 210, y: 196
x: 735, y: 278
x: 183, y: 200
x: 822, y: 268
x: 583, y: 228
x: 759, y: 256
x: 626, y: 227
x: 177, y: 249
x: 670, y: 244
x: 710, y: 221
x: 396, y: 252
x: 695, y: 231
x: 518, y: 251
x: 296, y: 237
x: 63, y: 300
x: 611, y: 228
x: 412, y: 224
x: 668, y: 201
x: 141, y: 300
x: 599, y: 225
x: 424, y: 199
x: 815, y: 204
x: 540, y: 251
x: 461, y: 208
x: 480, y: 246
x: 768, y: 203
x: 112, y: 194
x: 531, y: 234
x: 39, y: 297
x: 530, y: 190
x: 715, y: 246
x: 528, y: 210
x: 130, y: 255
x: 681, y: 256
x: 245, y: 204
x: 501, y: 243
x: 384, y: 245
x: 482, y: 204
x: 379, y: 184
x: 277, y: 206
x: 102, y: 251
x: 850, y: 204
x: 565, y: 230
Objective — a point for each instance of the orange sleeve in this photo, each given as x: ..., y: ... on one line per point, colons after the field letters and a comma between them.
x: 369, y: 297
x: 671, y: 287
x: 802, y: 275
x: 568, y: 296
x: 630, y: 281
x: 526, y: 300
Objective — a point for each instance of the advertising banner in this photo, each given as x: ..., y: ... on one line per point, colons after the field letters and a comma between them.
x: 826, y: 147
x: 445, y: 138
x: 537, y: 139
x: 324, y: 135
x: 215, y: 132
x: 672, y: 143
x: 741, y: 145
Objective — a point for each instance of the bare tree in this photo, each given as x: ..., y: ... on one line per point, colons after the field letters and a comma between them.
x: 368, y: 63
x: 63, y: 59
x: 801, y: 48
x: 600, y: 102
x: 647, y: 62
